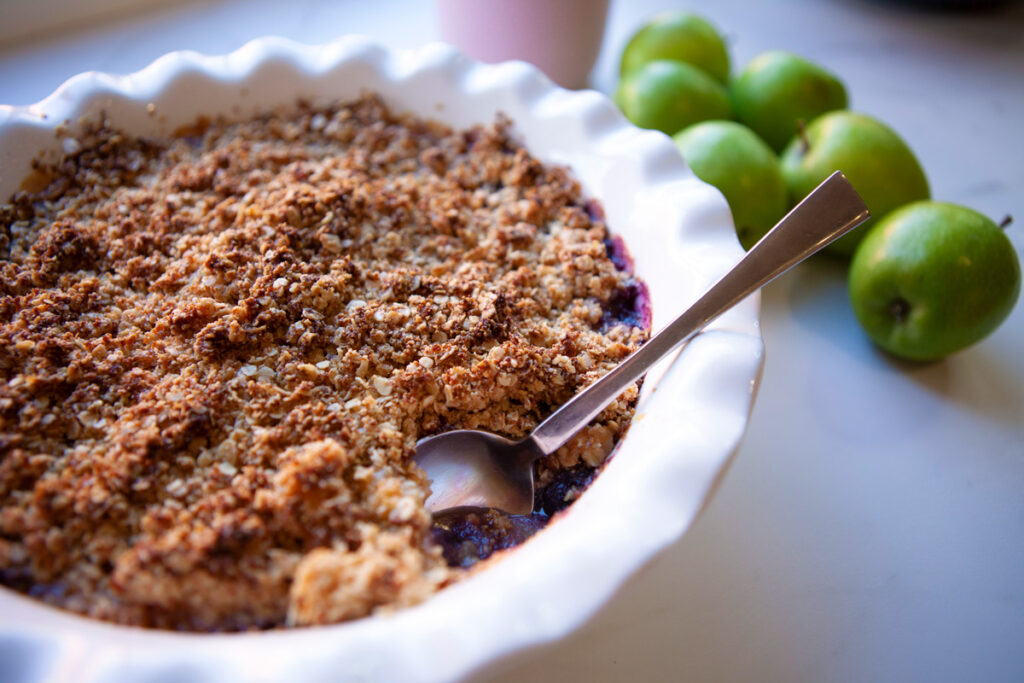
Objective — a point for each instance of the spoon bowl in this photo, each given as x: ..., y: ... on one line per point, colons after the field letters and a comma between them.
x: 471, y: 468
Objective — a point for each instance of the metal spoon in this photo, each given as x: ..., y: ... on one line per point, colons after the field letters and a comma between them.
x: 470, y: 468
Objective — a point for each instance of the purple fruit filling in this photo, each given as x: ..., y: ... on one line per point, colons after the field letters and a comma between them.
x: 594, y: 210
x: 565, y: 487
x: 473, y: 534
x: 469, y: 535
x: 630, y: 305
x: 618, y: 254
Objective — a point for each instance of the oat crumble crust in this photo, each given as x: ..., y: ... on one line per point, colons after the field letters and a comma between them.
x: 220, y: 348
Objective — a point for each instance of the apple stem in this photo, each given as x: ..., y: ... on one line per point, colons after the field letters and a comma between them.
x: 801, y: 131
x: 899, y: 309
x: 1005, y: 223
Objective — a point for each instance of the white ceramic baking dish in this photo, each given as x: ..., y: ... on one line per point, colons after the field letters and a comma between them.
x: 690, y: 421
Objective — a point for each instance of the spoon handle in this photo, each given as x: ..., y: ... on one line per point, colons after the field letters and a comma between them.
x: 826, y: 214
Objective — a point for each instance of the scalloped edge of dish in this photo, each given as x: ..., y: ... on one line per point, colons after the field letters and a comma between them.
x: 692, y: 416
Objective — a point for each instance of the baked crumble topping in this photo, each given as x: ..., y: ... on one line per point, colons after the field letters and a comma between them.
x: 219, y: 349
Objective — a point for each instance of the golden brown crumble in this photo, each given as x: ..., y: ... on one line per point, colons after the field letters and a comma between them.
x: 220, y: 348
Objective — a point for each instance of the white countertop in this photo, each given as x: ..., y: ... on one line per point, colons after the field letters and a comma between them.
x: 871, y: 527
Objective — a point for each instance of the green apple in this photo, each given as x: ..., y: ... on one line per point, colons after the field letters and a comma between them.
x: 778, y: 89
x: 876, y: 160
x: 734, y: 159
x: 669, y: 96
x: 933, y: 278
x: 680, y: 36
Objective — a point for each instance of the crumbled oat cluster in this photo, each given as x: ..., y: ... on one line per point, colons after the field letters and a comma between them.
x: 219, y: 349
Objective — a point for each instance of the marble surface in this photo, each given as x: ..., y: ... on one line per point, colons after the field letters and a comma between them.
x: 870, y: 528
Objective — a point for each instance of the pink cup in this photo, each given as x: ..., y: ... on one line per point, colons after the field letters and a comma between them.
x: 560, y: 37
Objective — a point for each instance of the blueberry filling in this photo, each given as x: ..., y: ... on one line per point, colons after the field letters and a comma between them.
x: 594, y: 210
x: 630, y: 305
x: 564, y: 488
x: 618, y: 254
x: 472, y: 534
